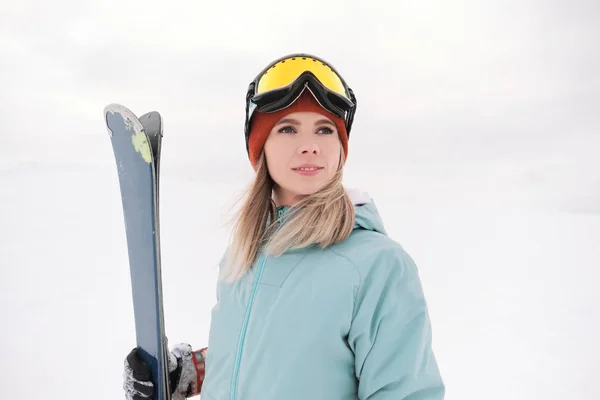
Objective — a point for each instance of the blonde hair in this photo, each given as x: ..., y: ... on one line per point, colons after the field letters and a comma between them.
x: 323, y: 218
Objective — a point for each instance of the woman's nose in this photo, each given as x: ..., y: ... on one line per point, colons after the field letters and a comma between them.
x: 309, y: 148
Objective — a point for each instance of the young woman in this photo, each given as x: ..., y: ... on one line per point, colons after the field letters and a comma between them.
x: 315, y: 300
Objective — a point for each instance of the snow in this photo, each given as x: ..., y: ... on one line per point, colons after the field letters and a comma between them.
x: 511, y: 283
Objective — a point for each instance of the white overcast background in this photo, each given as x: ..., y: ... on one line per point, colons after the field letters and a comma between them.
x: 477, y: 134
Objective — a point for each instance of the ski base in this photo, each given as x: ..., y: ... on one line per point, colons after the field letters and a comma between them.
x: 136, y: 147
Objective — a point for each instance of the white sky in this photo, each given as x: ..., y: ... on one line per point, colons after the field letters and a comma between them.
x: 439, y: 84
x: 477, y: 132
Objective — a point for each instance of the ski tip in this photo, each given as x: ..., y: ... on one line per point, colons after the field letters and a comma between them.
x: 153, y: 123
x: 151, y: 114
x: 115, y: 108
x: 117, y: 114
x: 109, y: 113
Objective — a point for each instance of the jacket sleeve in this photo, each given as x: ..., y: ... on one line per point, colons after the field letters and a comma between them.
x: 391, y: 333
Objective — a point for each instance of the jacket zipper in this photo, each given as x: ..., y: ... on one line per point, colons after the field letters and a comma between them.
x: 236, y: 369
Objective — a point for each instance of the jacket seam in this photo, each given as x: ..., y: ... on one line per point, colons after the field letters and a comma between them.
x: 360, y: 280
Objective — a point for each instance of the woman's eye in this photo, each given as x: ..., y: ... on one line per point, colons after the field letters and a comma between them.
x: 287, y: 129
x: 325, y: 131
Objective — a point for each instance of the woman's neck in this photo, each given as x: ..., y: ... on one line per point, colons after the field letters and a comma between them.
x: 283, y: 197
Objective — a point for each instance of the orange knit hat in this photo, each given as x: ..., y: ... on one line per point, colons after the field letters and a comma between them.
x: 262, y: 123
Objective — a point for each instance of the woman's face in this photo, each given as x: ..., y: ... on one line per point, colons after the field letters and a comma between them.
x: 303, y: 153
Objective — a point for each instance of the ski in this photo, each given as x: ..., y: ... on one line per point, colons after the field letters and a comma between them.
x: 136, y: 146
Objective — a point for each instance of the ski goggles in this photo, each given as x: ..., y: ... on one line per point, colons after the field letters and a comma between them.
x: 283, y: 81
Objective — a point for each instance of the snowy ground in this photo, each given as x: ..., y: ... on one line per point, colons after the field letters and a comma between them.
x: 510, y: 269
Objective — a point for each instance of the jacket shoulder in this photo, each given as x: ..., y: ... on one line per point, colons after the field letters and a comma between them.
x: 367, y: 250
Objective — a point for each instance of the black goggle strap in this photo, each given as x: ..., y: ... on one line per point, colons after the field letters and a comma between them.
x: 249, y: 94
x: 351, y: 111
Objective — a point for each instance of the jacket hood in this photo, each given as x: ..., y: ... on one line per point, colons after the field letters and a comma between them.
x: 367, y: 215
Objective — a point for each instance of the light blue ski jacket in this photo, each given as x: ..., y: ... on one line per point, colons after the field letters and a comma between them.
x: 346, y: 322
